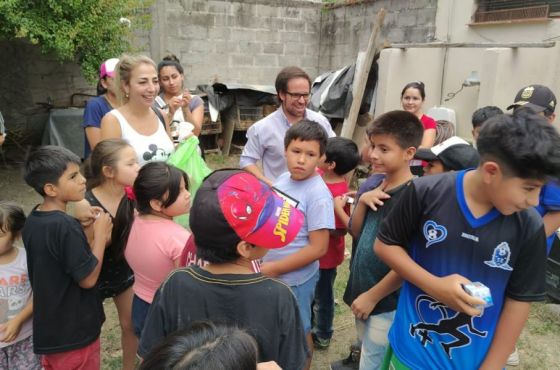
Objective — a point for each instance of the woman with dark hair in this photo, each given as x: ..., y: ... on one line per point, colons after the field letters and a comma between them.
x: 178, y: 101
x: 412, y: 99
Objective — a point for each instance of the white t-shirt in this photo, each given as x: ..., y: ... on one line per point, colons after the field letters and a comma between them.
x: 15, y: 292
x: 155, y: 147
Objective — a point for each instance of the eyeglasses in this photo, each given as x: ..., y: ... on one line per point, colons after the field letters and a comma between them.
x: 297, y: 96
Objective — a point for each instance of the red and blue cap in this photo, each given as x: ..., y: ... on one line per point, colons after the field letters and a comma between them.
x: 233, y: 205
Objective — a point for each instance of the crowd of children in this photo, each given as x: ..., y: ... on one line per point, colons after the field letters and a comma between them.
x: 252, y: 286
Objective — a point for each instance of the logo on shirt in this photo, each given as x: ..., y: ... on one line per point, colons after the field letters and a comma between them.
x: 434, y: 233
x: 435, y: 317
x: 500, y: 257
x: 474, y: 238
x: 155, y: 154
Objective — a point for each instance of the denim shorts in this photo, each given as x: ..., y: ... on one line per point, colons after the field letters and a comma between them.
x: 375, y: 341
x: 139, y: 313
x: 304, y: 295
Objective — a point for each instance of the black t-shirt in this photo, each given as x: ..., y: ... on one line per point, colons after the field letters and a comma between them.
x: 264, y: 307
x: 65, y: 316
x: 432, y: 221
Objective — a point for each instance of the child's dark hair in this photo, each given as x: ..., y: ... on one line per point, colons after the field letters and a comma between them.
x: 106, y: 153
x: 307, y: 130
x: 45, y: 164
x: 344, y: 152
x: 483, y: 114
x: 154, y: 181
x: 523, y: 143
x: 12, y: 218
x: 170, y: 61
x: 204, y: 345
x: 415, y: 85
x: 403, y: 126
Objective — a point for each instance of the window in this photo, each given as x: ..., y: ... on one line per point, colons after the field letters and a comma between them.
x: 490, y: 11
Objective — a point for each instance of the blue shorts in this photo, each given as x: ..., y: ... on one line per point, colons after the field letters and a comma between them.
x: 304, y: 295
x: 139, y: 312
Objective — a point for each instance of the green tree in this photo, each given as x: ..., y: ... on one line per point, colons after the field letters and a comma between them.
x: 86, y: 31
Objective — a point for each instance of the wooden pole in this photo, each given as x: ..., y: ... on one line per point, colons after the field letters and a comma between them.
x: 546, y: 44
x: 373, y: 48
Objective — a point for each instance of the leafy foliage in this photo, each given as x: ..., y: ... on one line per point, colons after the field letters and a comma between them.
x: 87, y: 31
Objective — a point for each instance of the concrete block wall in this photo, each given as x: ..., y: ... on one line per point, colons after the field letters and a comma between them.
x: 241, y: 41
x: 345, y: 30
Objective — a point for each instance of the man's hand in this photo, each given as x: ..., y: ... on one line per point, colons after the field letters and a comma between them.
x: 270, y: 365
x: 363, y: 305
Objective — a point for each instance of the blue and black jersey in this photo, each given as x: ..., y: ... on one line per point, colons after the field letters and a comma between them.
x: 433, y: 223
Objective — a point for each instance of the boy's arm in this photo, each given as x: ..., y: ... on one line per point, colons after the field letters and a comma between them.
x: 317, y: 247
x: 101, y: 233
x: 512, y: 319
x: 12, y: 327
x: 366, y: 302
x: 446, y: 289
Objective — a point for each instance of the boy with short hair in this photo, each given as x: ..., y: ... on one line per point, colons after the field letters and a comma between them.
x: 297, y: 264
x: 235, y: 219
x: 63, y: 268
x: 471, y: 226
x: 482, y: 115
x: 453, y: 154
x: 394, y: 138
x: 341, y: 157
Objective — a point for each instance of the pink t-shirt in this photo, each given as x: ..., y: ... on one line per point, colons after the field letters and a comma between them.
x: 152, y: 248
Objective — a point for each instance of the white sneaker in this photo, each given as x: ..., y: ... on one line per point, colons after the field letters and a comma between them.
x: 513, y: 359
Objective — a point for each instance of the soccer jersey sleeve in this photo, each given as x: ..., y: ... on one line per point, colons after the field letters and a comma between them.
x: 527, y: 281
x: 402, y: 221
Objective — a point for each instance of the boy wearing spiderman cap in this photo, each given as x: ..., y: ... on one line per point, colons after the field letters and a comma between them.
x: 235, y: 219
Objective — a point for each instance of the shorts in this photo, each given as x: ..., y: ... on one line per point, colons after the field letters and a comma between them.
x: 392, y: 362
x: 86, y: 358
x: 139, y: 313
x: 20, y: 355
x: 305, y: 293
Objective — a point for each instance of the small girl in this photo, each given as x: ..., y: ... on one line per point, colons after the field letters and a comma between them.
x: 151, y: 240
x: 16, y: 303
x: 112, y: 166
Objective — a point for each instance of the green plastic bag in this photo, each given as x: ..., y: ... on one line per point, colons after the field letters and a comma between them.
x: 187, y: 158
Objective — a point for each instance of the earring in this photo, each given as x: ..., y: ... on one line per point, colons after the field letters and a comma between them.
x: 126, y: 95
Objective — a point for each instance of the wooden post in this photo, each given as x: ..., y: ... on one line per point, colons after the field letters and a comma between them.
x: 373, y: 48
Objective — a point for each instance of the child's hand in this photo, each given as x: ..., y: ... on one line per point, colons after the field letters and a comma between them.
x: 102, y: 227
x: 362, y: 306
x: 87, y: 216
x: 267, y: 268
x: 270, y: 365
x: 449, y: 291
x: 10, y: 329
x: 374, y: 198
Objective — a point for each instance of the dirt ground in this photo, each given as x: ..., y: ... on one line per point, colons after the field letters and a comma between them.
x: 538, y: 345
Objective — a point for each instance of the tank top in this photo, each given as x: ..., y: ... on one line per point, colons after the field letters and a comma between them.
x: 155, y: 147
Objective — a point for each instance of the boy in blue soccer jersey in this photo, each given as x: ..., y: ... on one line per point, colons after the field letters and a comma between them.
x: 471, y: 226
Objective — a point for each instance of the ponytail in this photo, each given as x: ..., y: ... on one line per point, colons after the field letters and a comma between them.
x: 122, y: 223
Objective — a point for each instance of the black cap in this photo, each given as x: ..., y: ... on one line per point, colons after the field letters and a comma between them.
x: 537, y: 97
x: 455, y: 154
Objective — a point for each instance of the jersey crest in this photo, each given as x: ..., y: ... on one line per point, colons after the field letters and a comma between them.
x: 434, y: 233
x: 500, y: 257
x: 435, y: 318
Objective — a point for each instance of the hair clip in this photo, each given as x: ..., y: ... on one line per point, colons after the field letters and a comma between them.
x: 130, y: 192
